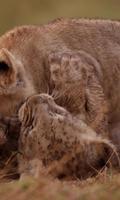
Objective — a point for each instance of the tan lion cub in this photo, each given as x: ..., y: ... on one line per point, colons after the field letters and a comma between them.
x: 49, y: 133
x: 25, y: 67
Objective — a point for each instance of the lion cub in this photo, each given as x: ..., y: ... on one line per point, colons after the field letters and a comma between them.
x: 51, y: 134
x: 78, y: 89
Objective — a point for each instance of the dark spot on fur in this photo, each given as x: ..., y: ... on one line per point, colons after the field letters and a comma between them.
x: 61, y: 176
x: 101, y: 162
x: 86, y: 106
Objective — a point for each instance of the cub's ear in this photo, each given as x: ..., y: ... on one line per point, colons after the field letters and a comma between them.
x: 7, y: 61
x: 7, y: 68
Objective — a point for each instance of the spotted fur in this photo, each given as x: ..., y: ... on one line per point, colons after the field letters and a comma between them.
x: 51, y: 134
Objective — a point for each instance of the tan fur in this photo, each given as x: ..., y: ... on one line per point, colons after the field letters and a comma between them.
x: 30, y: 46
x: 25, y: 66
x: 49, y: 133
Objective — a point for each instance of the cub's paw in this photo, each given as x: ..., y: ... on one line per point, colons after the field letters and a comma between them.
x: 66, y: 67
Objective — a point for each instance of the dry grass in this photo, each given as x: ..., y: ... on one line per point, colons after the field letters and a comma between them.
x: 104, y: 186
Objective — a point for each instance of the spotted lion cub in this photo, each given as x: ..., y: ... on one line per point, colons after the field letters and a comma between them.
x: 52, y: 135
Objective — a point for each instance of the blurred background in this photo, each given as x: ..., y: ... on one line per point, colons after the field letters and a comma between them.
x: 14, y: 12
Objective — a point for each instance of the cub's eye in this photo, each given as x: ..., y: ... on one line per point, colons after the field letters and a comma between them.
x: 3, y: 67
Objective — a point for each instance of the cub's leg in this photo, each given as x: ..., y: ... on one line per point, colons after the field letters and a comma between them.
x: 77, y: 87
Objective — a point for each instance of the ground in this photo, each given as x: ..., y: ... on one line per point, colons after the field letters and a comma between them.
x: 104, y: 186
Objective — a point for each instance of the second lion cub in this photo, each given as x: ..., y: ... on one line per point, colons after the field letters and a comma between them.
x: 52, y: 135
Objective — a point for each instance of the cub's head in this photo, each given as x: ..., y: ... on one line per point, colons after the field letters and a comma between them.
x: 14, y: 86
x: 39, y: 107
